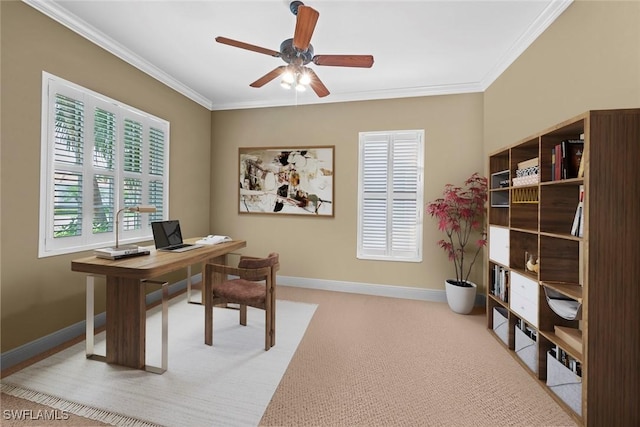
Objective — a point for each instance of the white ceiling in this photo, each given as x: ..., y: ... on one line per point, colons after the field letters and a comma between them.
x: 420, y: 47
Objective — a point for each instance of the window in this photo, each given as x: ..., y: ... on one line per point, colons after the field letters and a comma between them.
x: 98, y: 155
x: 390, y: 199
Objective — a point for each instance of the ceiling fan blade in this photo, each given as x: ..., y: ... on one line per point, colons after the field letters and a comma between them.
x: 316, y: 84
x: 269, y: 76
x: 305, y: 24
x: 248, y: 46
x: 363, y: 61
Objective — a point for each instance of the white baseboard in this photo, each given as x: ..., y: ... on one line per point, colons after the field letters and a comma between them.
x: 364, y: 288
x: 405, y: 292
x: 24, y: 352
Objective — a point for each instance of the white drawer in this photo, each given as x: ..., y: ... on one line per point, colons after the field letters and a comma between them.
x: 524, y: 286
x: 499, y: 245
x: 525, y: 308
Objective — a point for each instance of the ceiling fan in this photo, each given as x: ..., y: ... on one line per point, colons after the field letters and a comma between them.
x: 297, y: 52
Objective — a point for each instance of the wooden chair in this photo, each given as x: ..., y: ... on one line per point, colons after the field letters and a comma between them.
x: 255, y: 286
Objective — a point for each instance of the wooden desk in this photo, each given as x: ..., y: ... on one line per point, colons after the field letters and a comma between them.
x: 126, y: 308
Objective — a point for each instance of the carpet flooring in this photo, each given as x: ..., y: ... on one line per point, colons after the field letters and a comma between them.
x: 376, y: 361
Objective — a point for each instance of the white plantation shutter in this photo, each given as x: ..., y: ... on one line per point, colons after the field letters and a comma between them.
x: 157, y: 158
x: 103, y: 203
x: 68, y: 161
x: 132, y: 146
x: 390, y: 196
x: 97, y: 156
x: 132, y: 163
x: 104, y: 162
x: 374, y: 168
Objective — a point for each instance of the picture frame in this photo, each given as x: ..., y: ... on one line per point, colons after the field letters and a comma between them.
x: 295, y: 180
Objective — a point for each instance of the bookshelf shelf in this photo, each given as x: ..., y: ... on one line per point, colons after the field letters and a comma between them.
x: 499, y: 301
x: 551, y: 336
x: 571, y: 290
x: 561, y: 236
x: 589, y: 279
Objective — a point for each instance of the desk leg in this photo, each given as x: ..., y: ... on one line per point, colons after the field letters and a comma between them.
x: 89, y: 335
x: 189, y: 283
x: 126, y: 315
x: 165, y: 330
x: 207, y: 296
x: 89, y: 317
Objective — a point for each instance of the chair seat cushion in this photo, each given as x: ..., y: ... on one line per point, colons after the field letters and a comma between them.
x: 242, y: 291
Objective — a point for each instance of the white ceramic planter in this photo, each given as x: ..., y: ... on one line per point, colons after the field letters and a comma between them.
x: 461, y: 299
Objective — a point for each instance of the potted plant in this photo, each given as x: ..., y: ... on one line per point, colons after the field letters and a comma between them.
x: 460, y: 214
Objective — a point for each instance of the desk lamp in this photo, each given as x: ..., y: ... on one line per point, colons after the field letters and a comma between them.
x: 141, y: 209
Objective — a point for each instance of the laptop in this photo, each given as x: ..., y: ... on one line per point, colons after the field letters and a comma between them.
x: 168, y: 237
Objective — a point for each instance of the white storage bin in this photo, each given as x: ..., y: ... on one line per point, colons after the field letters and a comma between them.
x: 526, y: 349
x: 501, y: 324
x: 524, y: 298
x: 564, y: 383
x: 499, y: 245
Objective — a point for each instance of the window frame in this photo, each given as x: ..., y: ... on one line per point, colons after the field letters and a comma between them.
x: 49, y: 245
x: 389, y: 250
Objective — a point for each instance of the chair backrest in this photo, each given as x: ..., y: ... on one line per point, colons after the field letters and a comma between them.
x: 252, y: 263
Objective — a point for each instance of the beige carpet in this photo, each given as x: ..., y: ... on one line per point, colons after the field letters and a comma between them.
x: 378, y: 361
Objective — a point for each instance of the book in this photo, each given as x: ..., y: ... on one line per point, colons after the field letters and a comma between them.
x: 581, y: 168
x: 213, y: 240
x: 500, y: 283
x: 581, y: 224
x: 571, y: 336
x: 528, y: 163
x: 120, y: 252
x: 578, y: 220
x: 581, y: 205
x: 574, y: 150
x: 564, y: 164
x: 575, y: 227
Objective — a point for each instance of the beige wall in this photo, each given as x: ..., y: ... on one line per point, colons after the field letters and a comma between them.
x: 588, y: 59
x: 325, y: 248
x: 40, y: 296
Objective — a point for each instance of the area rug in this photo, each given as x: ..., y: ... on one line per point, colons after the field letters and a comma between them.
x: 229, y: 383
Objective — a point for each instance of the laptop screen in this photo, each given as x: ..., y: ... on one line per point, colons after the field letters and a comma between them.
x: 166, y: 233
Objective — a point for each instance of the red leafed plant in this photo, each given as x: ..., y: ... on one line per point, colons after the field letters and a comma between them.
x: 460, y: 214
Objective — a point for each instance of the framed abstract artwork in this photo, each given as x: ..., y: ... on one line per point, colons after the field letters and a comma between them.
x: 287, y: 180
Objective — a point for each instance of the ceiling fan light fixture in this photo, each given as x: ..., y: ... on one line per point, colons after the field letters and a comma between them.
x: 288, y: 77
x: 304, y: 79
x: 300, y: 87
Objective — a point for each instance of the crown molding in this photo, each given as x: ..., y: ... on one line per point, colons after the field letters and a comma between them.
x: 60, y: 15
x: 410, y: 92
x: 544, y: 20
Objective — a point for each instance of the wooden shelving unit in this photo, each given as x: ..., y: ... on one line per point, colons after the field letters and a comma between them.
x: 597, y: 274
